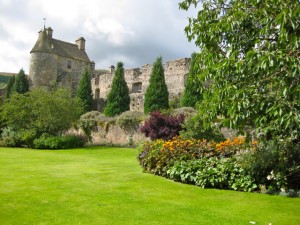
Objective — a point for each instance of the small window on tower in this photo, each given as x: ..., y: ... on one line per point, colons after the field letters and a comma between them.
x: 69, y: 64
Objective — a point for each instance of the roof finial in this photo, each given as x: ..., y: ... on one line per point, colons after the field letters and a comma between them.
x: 44, y: 23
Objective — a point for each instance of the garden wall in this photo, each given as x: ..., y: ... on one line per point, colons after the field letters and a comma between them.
x: 112, y: 134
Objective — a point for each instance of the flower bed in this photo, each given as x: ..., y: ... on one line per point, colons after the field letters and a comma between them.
x: 200, y: 162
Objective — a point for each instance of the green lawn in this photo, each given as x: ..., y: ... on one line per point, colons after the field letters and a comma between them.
x: 101, y: 185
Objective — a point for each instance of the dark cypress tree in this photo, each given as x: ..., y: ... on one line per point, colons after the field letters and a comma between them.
x: 118, y: 99
x: 84, y: 91
x: 22, y: 83
x: 191, y: 94
x: 157, y: 95
x: 9, y: 87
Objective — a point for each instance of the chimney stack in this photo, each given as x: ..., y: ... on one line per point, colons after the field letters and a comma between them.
x: 80, y: 42
x: 112, y: 69
x: 49, y: 32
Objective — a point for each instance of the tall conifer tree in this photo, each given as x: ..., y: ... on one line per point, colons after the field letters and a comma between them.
x: 10, y: 86
x: 118, y: 99
x: 84, y: 91
x: 191, y: 94
x: 21, y: 82
x: 157, y: 95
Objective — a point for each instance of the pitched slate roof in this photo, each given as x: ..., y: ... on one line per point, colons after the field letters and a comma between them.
x: 47, y: 44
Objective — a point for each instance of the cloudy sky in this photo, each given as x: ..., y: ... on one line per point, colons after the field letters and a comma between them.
x: 135, y: 32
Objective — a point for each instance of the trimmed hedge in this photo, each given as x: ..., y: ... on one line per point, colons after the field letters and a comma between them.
x: 56, y: 142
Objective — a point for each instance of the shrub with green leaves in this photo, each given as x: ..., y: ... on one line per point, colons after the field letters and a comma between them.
x: 130, y: 120
x: 90, y: 120
x: 39, y: 112
x: 59, y: 142
x: 186, y: 111
x: 194, y: 128
x: 10, y: 138
x: 213, y: 172
x: 274, y: 165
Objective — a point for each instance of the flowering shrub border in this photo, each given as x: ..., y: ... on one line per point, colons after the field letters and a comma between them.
x: 182, y: 160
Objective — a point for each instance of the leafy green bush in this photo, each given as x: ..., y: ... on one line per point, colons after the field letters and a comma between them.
x: 213, y: 172
x: 10, y: 138
x: 186, y: 111
x: 193, y: 128
x: 90, y: 120
x: 274, y: 165
x: 130, y: 120
x: 174, y: 103
x: 55, y: 142
x: 39, y: 112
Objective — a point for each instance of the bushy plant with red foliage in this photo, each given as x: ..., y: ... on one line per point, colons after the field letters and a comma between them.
x: 163, y: 127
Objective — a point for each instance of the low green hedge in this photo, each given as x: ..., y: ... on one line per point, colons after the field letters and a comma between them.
x: 59, y: 142
x: 214, y: 172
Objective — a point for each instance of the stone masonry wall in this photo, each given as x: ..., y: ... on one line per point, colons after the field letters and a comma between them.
x: 114, y: 135
x: 70, y: 77
x: 49, y: 69
x: 42, y: 69
x: 138, y: 81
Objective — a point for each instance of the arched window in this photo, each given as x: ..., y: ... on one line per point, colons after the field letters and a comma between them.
x: 97, y: 93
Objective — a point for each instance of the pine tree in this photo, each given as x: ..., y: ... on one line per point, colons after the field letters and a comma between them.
x: 118, y: 99
x: 157, y: 95
x: 84, y: 91
x: 9, y: 87
x: 191, y: 94
x: 22, y: 83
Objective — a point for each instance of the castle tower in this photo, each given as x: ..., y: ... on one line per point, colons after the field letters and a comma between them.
x: 43, y: 65
x: 56, y: 62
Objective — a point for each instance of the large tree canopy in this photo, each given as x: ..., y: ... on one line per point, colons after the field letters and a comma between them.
x: 40, y: 112
x: 250, y: 53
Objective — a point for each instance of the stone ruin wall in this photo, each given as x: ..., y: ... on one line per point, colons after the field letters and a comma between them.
x: 137, y: 79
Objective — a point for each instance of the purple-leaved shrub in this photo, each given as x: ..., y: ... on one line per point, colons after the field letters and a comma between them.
x: 163, y: 127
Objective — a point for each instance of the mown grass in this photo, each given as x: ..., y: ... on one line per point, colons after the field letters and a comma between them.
x: 103, y: 185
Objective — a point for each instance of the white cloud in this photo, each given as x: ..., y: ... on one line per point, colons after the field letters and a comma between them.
x: 12, y: 59
x: 116, y: 33
x: 132, y: 31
